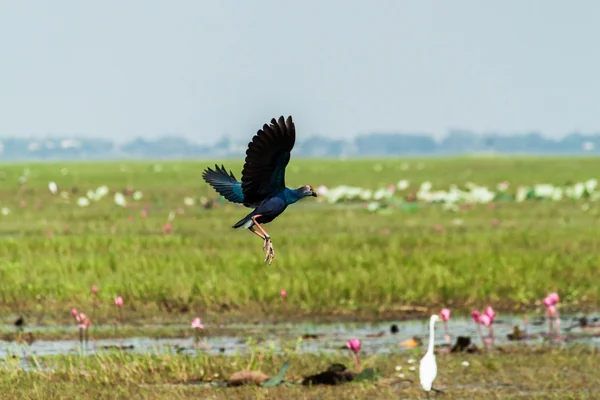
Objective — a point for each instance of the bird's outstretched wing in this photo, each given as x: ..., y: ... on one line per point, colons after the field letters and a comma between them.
x: 267, y: 156
x: 225, y: 184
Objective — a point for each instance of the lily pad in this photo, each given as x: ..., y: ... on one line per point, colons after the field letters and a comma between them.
x: 279, y: 378
x: 368, y: 374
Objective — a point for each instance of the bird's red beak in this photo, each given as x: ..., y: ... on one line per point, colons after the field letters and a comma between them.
x: 314, y: 194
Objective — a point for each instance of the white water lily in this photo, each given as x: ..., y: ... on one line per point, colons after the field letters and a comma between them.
x: 543, y: 190
x: 576, y: 191
x: 5, y: 211
x: 188, y: 201
x: 522, y: 193
x: 502, y: 186
x: 372, y: 206
x: 53, y: 187
x: 403, y: 184
x: 382, y: 194
x: 101, y: 192
x: 120, y: 199
x: 557, y: 195
x: 83, y: 202
x: 481, y: 194
x: 425, y: 186
x: 137, y: 195
x: 591, y: 185
x: 472, y: 193
x: 366, y: 194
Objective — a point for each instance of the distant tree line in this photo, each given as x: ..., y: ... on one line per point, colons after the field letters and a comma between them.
x: 366, y: 145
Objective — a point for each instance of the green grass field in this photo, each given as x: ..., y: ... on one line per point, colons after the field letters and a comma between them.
x: 334, y: 260
x: 331, y: 259
x: 539, y: 373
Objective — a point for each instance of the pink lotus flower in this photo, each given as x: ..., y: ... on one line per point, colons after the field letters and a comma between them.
x: 94, y: 289
x: 196, y: 324
x: 551, y: 300
x: 445, y: 314
x: 74, y: 312
x: 354, y: 345
x: 283, y: 293
x: 489, y: 311
x: 119, y: 301
x: 167, y: 228
x: 485, y: 320
x: 322, y: 190
x: 480, y: 319
x: 83, y: 321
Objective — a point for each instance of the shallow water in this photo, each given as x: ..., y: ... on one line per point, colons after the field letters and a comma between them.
x: 332, y: 337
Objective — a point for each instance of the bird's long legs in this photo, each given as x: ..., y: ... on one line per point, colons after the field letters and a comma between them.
x: 268, y: 245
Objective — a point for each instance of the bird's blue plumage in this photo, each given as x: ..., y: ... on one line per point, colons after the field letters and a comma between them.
x: 225, y: 184
x: 262, y: 186
x: 272, y: 207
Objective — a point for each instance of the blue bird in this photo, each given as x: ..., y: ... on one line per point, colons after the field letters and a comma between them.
x: 263, y: 180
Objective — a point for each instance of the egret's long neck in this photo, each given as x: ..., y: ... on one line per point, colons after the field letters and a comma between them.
x: 431, y: 336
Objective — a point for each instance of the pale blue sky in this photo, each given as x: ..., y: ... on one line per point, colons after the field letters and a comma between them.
x: 123, y: 68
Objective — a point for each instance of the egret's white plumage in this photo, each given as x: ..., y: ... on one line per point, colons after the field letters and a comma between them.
x: 428, y: 366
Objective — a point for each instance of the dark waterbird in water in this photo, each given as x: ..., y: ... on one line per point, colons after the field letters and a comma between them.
x: 263, y: 180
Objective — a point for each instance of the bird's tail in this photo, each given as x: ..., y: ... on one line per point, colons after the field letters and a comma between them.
x: 245, y: 222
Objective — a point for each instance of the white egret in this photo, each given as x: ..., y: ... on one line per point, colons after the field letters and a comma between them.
x: 428, y: 366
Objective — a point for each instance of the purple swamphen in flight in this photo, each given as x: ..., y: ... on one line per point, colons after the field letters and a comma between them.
x: 263, y: 179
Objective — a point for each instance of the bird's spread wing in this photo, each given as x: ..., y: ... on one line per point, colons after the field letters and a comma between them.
x: 225, y: 184
x: 267, y: 156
